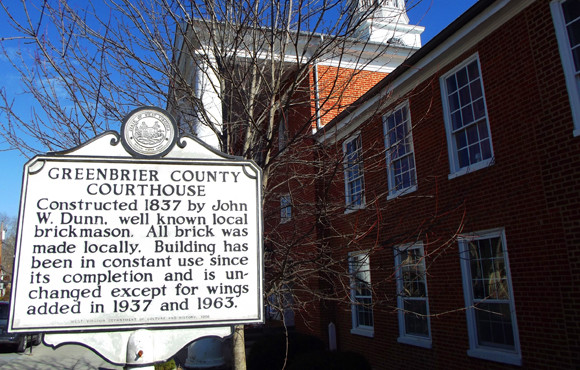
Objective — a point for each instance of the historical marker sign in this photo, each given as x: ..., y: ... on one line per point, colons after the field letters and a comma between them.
x: 110, y: 241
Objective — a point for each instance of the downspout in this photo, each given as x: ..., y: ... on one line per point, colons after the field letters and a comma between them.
x: 316, y: 98
x: 317, y: 93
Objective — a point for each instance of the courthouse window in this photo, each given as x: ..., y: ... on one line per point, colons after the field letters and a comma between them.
x: 491, y: 318
x: 466, y: 121
x: 353, y: 173
x: 399, y: 151
x: 412, y: 297
x: 361, y: 294
x: 285, y: 208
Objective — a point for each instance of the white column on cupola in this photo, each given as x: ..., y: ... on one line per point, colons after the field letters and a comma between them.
x: 386, y: 21
x: 387, y: 10
x: 207, y: 90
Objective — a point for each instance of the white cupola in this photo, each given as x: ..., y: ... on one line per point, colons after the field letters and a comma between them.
x: 386, y: 21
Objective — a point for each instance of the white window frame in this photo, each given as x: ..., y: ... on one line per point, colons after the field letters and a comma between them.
x: 350, y: 207
x: 455, y: 169
x: 393, y: 191
x: 404, y: 337
x: 487, y: 352
x: 353, y: 270
x: 285, y: 208
x: 572, y: 77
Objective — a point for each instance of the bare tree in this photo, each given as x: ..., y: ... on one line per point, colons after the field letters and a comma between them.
x: 8, y: 227
x: 254, y: 79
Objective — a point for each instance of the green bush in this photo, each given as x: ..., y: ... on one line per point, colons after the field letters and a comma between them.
x: 268, y: 352
x: 169, y: 365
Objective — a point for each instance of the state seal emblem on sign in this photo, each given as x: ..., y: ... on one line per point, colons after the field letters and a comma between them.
x: 148, y: 132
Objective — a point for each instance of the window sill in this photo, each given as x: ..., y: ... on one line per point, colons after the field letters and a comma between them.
x: 496, y: 355
x: 353, y: 209
x: 415, y: 341
x: 472, y: 168
x: 370, y: 333
x: 402, y: 192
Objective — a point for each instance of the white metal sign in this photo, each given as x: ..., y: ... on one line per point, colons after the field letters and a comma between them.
x: 117, y: 243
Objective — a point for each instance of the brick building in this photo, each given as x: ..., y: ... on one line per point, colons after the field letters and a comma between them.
x: 455, y: 211
x: 461, y: 200
x: 325, y: 74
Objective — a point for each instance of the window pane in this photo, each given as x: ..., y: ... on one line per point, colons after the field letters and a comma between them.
x: 472, y: 136
x: 456, y: 120
x: 473, y: 70
x: 416, y: 317
x: 461, y: 78
x: 461, y: 139
x: 392, y: 138
x: 576, y: 56
x: 403, y: 114
x: 571, y: 10
x: 494, y: 325
x: 463, y: 158
x: 400, y: 138
x: 405, y: 164
x: 451, y: 84
x: 475, y: 89
x: 284, y: 201
x: 464, y: 96
x: 391, y: 122
x: 482, y: 129
x: 474, y: 154
x: 454, y: 102
x: 412, y: 170
x: 467, y: 115
x: 364, y: 312
x: 399, y: 116
x: 398, y: 179
x: 486, y: 149
x: 574, y: 33
x: 478, y: 109
x: 394, y: 152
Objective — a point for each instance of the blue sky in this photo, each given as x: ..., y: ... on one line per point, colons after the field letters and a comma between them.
x: 434, y: 15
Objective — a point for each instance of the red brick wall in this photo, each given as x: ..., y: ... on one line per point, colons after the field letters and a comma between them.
x: 290, y: 244
x: 339, y: 87
x: 531, y: 190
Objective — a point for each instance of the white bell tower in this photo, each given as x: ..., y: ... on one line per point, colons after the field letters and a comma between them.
x: 386, y: 21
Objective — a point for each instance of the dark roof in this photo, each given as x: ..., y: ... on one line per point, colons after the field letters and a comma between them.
x: 447, y: 32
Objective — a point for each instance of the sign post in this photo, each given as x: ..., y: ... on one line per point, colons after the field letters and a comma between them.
x: 131, y: 236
